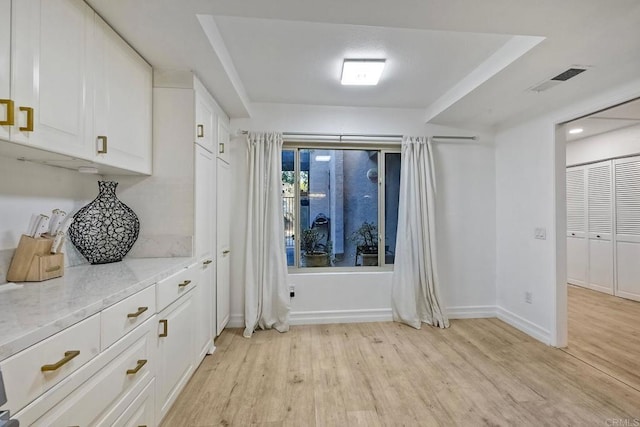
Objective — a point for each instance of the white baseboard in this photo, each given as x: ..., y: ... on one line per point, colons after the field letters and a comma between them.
x: 524, y: 325
x: 236, y: 321
x: 340, y: 316
x: 367, y: 315
x: 471, y: 312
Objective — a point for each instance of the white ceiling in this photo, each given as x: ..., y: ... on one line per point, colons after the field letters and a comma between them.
x: 612, y: 119
x: 300, y: 62
x: 459, y: 60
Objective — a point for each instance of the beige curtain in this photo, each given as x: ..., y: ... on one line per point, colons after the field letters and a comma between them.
x: 266, y: 290
x: 415, y: 286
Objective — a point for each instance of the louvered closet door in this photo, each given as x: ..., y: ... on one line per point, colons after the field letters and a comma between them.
x: 576, y: 226
x: 627, y: 181
x: 600, y: 226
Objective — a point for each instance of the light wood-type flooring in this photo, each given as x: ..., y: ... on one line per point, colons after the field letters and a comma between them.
x: 604, y: 331
x: 478, y: 372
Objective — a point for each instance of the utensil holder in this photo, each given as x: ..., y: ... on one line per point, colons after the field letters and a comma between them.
x: 34, y: 262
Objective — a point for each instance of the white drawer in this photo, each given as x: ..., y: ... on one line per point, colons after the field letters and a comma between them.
x: 62, y: 354
x: 173, y: 287
x: 105, y: 395
x: 121, y: 318
x: 141, y: 412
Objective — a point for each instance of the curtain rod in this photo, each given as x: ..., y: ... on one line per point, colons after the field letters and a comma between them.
x: 358, y: 135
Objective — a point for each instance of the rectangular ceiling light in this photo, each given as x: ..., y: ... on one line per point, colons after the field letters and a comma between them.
x: 362, y: 71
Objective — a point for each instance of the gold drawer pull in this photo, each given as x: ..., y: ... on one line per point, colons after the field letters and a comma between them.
x: 10, y: 119
x: 138, y: 313
x: 221, y: 147
x: 200, y: 131
x: 207, y: 262
x: 104, y: 141
x: 183, y: 284
x: 139, y: 366
x: 29, y: 126
x: 225, y: 252
x: 68, y: 355
x: 164, y: 323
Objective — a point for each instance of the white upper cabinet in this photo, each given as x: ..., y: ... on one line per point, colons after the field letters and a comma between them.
x: 123, y: 99
x: 70, y: 85
x: 49, y: 61
x: 223, y: 140
x: 5, y: 68
x: 206, y: 132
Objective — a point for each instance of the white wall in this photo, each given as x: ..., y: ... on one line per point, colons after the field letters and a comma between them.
x: 618, y: 143
x: 27, y: 188
x: 466, y: 218
x: 530, y: 186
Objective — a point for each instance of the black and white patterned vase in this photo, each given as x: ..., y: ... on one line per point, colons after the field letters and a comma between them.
x: 105, y: 230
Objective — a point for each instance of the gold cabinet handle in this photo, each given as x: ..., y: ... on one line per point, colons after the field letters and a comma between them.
x: 10, y: 119
x: 165, y: 323
x: 200, y: 132
x: 68, y: 355
x: 104, y: 141
x: 183, y: 284
x: 139, y: 366
x: 138, y: 313
x: 207, y: 262
x: 29, y: 126
x: 221, y: 147
x: 226, y: 252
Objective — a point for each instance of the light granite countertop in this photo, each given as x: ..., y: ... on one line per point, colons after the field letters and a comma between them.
x: 31, y: 312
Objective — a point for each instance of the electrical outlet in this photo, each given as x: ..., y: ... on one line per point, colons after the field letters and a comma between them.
x: 292, y: 291
x: 528, y: 297
x: 540, y: 233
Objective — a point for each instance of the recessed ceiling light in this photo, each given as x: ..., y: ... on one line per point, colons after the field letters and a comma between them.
x: 323, y: 158
x: 575, y: 131
x: 362, y: 71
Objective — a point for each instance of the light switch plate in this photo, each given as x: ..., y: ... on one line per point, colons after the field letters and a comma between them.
x: 540, y: 233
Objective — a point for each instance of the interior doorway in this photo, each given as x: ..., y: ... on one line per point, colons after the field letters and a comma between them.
x: 603, y: 240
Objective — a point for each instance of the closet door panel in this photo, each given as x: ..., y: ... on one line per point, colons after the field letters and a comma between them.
x: 577, y: 250
x: 600, y: 226
x: 627, y: 201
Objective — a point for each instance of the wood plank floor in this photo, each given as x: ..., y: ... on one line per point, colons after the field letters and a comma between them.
x: 604, y: 331
x: 478, y: 372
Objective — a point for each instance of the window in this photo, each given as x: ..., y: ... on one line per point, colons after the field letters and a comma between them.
x: 338, y: 210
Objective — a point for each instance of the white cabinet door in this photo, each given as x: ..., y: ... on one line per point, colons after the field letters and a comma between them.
x: 175, y: 352
x: 123, y: 92
x: 204, y: 202
x: 205, y: 311
x: 205, y: 120
x: 50, y: 74
x: 5, y: 68
x: 141, y: 411
x: 577, y: 254
x: 223, y: 243
x: 627, y: 236
x: 223, y: 140
x: 600, y: 226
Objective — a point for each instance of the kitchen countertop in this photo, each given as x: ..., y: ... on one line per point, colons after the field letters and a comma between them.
x: 31, y: 312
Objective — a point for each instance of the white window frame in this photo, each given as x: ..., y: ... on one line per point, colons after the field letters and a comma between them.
x: 383, y: 149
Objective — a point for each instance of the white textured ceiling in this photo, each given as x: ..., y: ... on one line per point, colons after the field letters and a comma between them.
x: 604, y: 35
x: 612, y: 119
x: 300, y: 62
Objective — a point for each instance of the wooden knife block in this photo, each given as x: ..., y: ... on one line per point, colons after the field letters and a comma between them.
x: 34, y: 262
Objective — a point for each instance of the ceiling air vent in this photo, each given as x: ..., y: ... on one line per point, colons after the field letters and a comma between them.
x: 554, y: 81
x: 569, y: 74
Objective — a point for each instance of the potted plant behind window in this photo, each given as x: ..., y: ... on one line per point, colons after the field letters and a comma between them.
x: 366, y: 240
x: 313, y: 252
